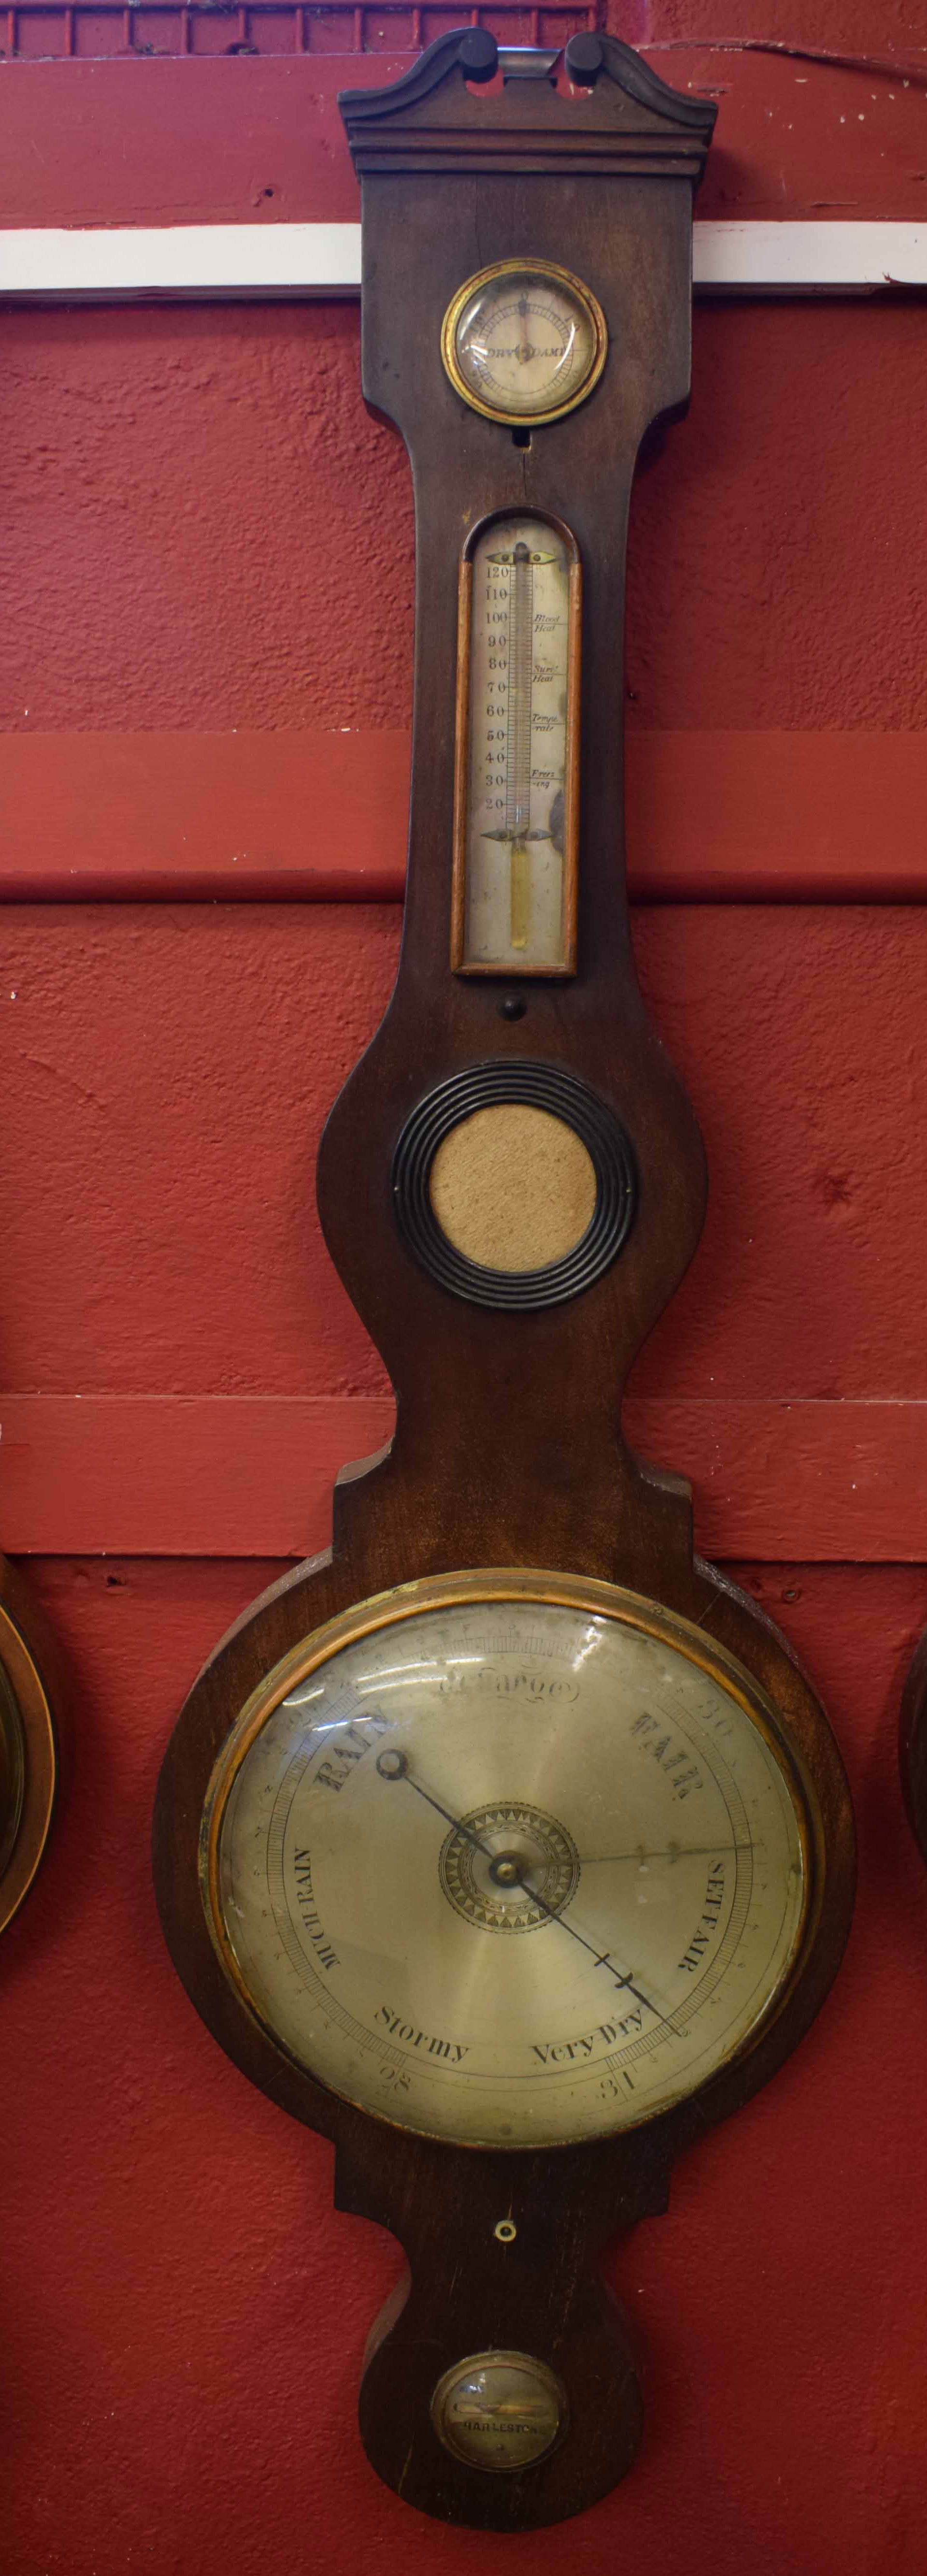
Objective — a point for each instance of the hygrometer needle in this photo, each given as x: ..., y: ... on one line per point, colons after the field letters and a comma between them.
x: 394, y: 1766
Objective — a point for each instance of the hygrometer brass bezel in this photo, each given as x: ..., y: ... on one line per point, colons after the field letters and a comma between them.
x: 526, y: 267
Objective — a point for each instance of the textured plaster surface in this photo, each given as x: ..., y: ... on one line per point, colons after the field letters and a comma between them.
x: 184, y: 2314
x: 202, y: 528
x: 167, y: 1069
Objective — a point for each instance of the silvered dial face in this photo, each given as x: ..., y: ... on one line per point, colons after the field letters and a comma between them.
x: 508, y: 1870
x: 524, y: 342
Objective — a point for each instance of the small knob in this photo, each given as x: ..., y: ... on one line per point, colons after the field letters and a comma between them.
x: 584, y: 61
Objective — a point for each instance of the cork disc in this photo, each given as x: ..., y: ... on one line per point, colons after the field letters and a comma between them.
x: 513, y: 1188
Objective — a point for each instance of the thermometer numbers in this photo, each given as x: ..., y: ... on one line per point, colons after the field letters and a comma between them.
x: 496, y: 620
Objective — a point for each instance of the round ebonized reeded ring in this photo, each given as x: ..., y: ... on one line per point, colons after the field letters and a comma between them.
x: 536, y: 1086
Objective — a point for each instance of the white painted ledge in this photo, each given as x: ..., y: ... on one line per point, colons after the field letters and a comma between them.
x: 808, y: 259
x: 179, y: 260
x: 245, y: 261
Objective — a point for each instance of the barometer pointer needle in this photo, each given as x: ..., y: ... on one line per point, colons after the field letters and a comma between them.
x: 394, y: 1766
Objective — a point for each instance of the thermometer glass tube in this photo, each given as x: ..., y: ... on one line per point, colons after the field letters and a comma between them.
x: 516, y: 792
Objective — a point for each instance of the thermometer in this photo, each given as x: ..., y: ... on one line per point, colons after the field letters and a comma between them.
x: 517, y: 769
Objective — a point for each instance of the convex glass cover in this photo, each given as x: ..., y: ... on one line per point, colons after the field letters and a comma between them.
x: 510, y: 1860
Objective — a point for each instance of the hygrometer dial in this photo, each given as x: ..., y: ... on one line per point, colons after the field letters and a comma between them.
x: 524, y: 341
x: 514, y: 1861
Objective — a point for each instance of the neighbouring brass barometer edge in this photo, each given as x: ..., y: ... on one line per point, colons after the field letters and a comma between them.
x: 31, y: 1732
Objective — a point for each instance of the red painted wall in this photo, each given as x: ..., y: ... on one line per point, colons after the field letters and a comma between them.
x: 202, y: 530
x: 205, y: 529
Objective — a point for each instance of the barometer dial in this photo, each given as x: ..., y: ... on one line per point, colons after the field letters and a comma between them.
x: 519, y: 1865
x: 523, y: 341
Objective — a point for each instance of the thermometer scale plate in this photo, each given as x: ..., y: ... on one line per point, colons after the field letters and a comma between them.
x: 516, y: 793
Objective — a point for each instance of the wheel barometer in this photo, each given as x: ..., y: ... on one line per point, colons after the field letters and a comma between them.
x: 506, y: 1845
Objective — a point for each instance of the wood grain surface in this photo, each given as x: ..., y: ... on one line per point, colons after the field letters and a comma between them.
x: 194, y: 141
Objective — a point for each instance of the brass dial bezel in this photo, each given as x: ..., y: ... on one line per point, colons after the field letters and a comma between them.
x: 526, y: 267
x: 577, y: 1592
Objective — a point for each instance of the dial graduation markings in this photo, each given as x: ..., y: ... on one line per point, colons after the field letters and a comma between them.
x: 526, y: 348
x: 552, y: 2053
x: 336, y: 1900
